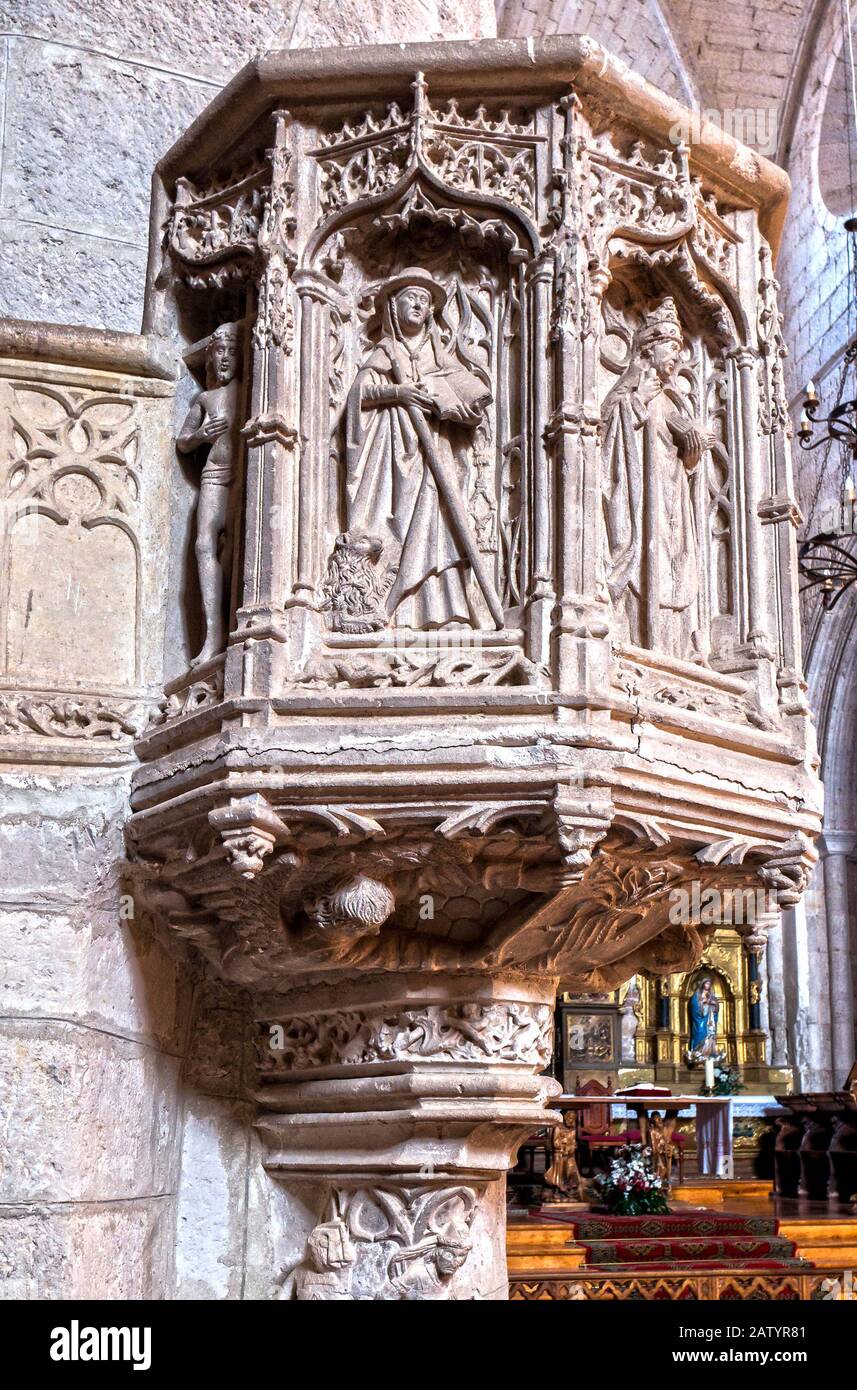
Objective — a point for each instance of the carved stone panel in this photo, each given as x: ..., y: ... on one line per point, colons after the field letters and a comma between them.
x: 79, y: 505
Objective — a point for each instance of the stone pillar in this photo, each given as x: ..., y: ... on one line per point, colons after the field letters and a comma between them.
x: 808, y: 994
x: 393, y: 1108
x: 837, y: 847
x: 775, y: 995
x: 92, y: 1007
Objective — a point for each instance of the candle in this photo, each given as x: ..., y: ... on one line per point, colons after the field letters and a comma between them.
x: 810, y: 395
x: 709, y: 1073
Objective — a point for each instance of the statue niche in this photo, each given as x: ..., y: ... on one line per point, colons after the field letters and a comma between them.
x: 213, y: 422
x: 652, y: 447
x: 410, y: 417
x: 704, y: 1024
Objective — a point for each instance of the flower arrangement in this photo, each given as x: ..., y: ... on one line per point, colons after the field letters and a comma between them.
x: 727, y: 1082
x: 631, y: 1186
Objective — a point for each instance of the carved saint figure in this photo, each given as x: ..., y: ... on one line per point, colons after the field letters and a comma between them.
x: 324, y: 1276
x: 409, y: 413
x: 651, y: 451
x: 660, y: 1141
x: 704, y: 1012
x: 213, y: 421
x: 563, y: 1172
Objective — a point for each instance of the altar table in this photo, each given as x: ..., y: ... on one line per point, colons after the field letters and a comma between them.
x: 713, y: 1122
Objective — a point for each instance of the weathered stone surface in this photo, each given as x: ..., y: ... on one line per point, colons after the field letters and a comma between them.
x: 475, y: 723
x: 639, y: 34
x: 211, y: 1210
x: 83, y: 133
x: 69, y: 277
x: 90, y: 1250
x: 90, y: 1117
x: 88, y: 115
x: 397, y: 839
x: 180, y: 35
x: 324, y: 23
x: 57, y: 835
x: 93, y: 1008
x: 109, y: 973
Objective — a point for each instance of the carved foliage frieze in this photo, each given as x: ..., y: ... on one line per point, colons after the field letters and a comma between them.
x: 490, y: 1033
x: 213, y: 231
x: 67, y: 717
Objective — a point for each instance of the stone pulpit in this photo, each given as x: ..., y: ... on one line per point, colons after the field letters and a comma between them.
x: 484, y: 650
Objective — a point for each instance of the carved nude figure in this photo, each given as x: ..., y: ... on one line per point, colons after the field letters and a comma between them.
x: 651, y: 450
x: 410, y: 410
x: 563, y: 1174
x: 213, y: 421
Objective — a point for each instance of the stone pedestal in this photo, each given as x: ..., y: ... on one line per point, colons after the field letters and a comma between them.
x: 392, y: 1108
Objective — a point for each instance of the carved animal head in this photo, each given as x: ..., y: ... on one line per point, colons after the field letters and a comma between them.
x: 357, y: 906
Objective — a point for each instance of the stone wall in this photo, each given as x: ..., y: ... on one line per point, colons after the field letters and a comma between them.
x: 637, y: 33
x: 93, y: 1009
x: 813, y: 265
x: 93, y: 95
x: 814, y: 271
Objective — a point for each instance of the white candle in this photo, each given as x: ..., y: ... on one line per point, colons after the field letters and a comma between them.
x: 709, y: 1073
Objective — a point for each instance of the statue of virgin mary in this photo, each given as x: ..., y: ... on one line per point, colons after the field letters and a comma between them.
x: 704, y: 1012
x: 391, y: 490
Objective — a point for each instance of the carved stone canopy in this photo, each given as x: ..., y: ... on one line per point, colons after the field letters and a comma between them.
x: 502, y: 648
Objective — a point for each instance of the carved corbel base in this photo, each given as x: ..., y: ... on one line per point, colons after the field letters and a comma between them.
x: 393, y: 1107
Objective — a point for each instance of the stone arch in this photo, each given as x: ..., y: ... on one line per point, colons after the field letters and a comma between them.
x: 832, y: 174
x: 813, y: 265
x: 421, y: 191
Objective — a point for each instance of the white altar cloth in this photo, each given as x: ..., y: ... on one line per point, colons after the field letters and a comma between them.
x: 714, y: 1140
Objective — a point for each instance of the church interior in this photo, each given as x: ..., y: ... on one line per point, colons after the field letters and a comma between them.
x: 428, y: 651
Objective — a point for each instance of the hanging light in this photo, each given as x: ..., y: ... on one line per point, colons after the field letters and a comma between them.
x: 827, y: 558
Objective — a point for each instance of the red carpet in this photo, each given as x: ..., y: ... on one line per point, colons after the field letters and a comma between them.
x: 595, y: 1226
x: 683, y: 1241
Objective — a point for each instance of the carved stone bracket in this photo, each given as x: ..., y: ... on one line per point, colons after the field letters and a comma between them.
x: 248, y: 829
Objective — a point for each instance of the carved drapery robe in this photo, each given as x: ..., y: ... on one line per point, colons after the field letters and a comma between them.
x: 704, y: 1013
x: 390, y: 490
x: 653, y: 572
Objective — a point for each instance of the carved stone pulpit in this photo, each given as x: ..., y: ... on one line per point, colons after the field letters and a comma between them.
x: 496, y: 630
